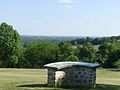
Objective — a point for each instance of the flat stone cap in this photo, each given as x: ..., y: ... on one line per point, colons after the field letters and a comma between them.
x: 61, y: 65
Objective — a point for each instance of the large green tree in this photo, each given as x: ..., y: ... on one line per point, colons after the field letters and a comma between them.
x: 10, y: 46
x: 113, y: 60
x: 105, y: 50
x: 40, y: 53
x: 87, y: 53
x: 65, y: 49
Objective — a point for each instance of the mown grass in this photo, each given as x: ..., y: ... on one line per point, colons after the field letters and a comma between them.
x: 36, y: 79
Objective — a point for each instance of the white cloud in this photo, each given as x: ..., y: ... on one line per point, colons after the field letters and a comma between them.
x: 67, y: 6
x: 45, y: 20
x: 67, y: 3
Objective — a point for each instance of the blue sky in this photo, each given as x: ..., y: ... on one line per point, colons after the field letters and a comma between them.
x: 62, y: 17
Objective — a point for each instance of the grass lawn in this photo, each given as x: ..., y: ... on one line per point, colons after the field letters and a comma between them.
x: 36, y: 79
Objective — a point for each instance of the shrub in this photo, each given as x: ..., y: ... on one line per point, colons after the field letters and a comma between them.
x: 72, y: 58
x: 117, y: 64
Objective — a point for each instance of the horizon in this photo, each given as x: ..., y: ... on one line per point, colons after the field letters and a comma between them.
x: 92, y: 18
x: 69, y: 36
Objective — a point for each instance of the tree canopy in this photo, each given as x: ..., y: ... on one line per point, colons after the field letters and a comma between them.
x: 40, y: 53
x: 10, y: 46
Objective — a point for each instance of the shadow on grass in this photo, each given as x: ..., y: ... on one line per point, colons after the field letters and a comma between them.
x: 107, y: 87
x: 34, y: 85
x: 38, y: 86
x: 98, y: 87
x: 114, y: 70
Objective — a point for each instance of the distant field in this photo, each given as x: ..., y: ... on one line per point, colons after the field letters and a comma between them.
x: 36, y: 79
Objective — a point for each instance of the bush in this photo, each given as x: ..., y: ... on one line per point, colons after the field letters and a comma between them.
x: 88, y: 60
x: 113, y: 59
x: 72, y: 58
x: 117, y: 64
x: 87, y: 53
x: 41, y: 53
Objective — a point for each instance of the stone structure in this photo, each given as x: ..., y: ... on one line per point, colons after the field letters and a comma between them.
x: 72, y: 74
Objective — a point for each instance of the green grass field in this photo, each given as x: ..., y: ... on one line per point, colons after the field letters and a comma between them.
x: 36, y: 79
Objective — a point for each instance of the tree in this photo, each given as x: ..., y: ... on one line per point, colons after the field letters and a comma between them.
x: 10, y: 46
x: 40, y: 53
x: 117, y: 64
x: 65, y: 49
x: 104, y: 50
x: 72, y: 58
x: 87, y: 53
x: 113, y: 60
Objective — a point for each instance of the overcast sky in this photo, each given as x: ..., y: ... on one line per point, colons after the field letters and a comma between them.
x: 62, y: 17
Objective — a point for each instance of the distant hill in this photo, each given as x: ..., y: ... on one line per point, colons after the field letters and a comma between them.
x: 73, y: 39
x: 26, y: 38
x: 31, y: 39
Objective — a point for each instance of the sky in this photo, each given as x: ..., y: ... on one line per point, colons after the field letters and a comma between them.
x: 62, y: 17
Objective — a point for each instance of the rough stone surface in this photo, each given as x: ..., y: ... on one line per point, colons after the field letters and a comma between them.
x: 51, y: 77
x: 72, y: 74
x: 72, y: 77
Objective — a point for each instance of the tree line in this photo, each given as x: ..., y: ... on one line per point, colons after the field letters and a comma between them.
x: 96, y: 41
x: 14, y: 54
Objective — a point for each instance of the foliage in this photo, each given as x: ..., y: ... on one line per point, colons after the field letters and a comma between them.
x: 107, y: 54
x: 65, y: 49
x: 40, y: 53
x: 105, y: 50
x: 10, y: 46
x: 117, y: 64
x: 95, y: 41
x: 113, y: 59
x: 72, y: 58
x: 87, y: 53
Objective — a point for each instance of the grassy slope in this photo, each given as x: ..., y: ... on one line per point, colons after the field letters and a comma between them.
x: 11, y: 79
x: 108, y: 79
x: 36, y: 79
